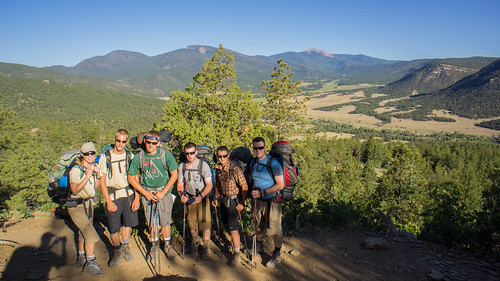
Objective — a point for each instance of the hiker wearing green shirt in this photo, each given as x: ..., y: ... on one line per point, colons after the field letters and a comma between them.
x: 158, y: 170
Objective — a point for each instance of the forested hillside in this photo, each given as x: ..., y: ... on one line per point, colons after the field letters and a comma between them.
x: 474, y: 96
x: 11, y: 70
x: 43, y: 104
x: 431, y: 77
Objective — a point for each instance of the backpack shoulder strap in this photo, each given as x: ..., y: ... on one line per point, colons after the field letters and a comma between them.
x: 141, y: 159
x: 163, y: 158
x: 128, y: 159
x: 200, y: 169
x: 231, y: 171
x: 269, y: 166
x: 107, y: 154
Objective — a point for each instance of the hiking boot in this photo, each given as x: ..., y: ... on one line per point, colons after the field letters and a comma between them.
x: 275, y: 260
x: 153, y: 252
x: 127, y: 254
x: 204, y: 252
x: 117, y: 256
x: 236, y: 260
x: 93, y: 268
x: 259, y: 248
x: 194, y: 250
x: 80, y: 261
x: 169, y: 251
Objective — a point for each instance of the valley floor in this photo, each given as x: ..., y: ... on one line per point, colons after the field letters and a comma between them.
x: 462, y: 125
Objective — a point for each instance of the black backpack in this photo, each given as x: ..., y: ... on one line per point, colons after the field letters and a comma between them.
x: 241, y: 157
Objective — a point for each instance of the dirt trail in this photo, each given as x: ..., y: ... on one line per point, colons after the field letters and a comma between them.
x: 46, y: 251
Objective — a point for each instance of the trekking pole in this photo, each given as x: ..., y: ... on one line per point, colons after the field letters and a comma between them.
x: 254, y: 238
x: 152, y: 234
x: 155, y: 235
x: 243, y: 233
x: 184, y: 230
x: 157, y: 241
x: 197, y: 224
x: 217, y: 219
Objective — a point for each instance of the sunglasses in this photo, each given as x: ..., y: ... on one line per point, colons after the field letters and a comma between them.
x: 88, y: 153
x: 152, y: 142
x: 222, y: 156
x: 125, y: 141
x: 258, y: 147
x: 190, y: 153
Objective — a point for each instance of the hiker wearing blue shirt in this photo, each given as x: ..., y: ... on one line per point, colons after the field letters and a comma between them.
x: 267, y: 180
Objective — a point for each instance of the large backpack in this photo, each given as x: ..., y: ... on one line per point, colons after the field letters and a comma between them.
x: 204, y: 153
x: 137, y: 142
x: 282, y: 151
x: 107, y: 154
x: 241, y: 157
x: 58, y: 187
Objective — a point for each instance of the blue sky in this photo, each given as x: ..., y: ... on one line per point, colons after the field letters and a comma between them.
x: 43, y: 33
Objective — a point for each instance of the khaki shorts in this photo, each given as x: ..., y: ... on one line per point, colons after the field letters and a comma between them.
x: 203, y: 209
x: 268, y: 217
x: 86, y: 233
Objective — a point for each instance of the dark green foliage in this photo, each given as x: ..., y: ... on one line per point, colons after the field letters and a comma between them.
x: 492, y: 124
x: 388, y: 135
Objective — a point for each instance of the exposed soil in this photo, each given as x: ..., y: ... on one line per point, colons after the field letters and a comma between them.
x: 45, y: 250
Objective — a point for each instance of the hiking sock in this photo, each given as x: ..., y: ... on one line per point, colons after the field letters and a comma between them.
x: 81, y: 259
x: 91, y: 258
x: 167, y: 241
x: 277, y: 251
x: 236, y: 250
x: 125, y: 241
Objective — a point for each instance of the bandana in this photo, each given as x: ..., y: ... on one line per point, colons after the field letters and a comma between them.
x: 153, y: 138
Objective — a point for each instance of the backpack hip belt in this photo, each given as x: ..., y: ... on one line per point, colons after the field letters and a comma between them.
x: 112, y: 191
x: 226, y: 200
x: 275, y: 199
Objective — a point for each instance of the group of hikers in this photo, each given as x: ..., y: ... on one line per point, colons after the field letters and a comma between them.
x: 149, y: 177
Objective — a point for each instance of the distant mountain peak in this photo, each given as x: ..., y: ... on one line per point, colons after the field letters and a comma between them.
x: 324, y: 53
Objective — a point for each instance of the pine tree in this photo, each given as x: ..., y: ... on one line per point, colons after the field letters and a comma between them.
x: 283, y: 108
x: 213, y: 110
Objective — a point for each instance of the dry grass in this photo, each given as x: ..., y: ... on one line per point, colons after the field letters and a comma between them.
x: 462, y: 125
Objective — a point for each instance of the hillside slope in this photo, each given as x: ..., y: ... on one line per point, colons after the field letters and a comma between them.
x: 431, y: 77
x: 475, y: 96
x: 44, y: 102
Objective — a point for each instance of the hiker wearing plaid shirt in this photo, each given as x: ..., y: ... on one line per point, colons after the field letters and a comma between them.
x: 229, y: 179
